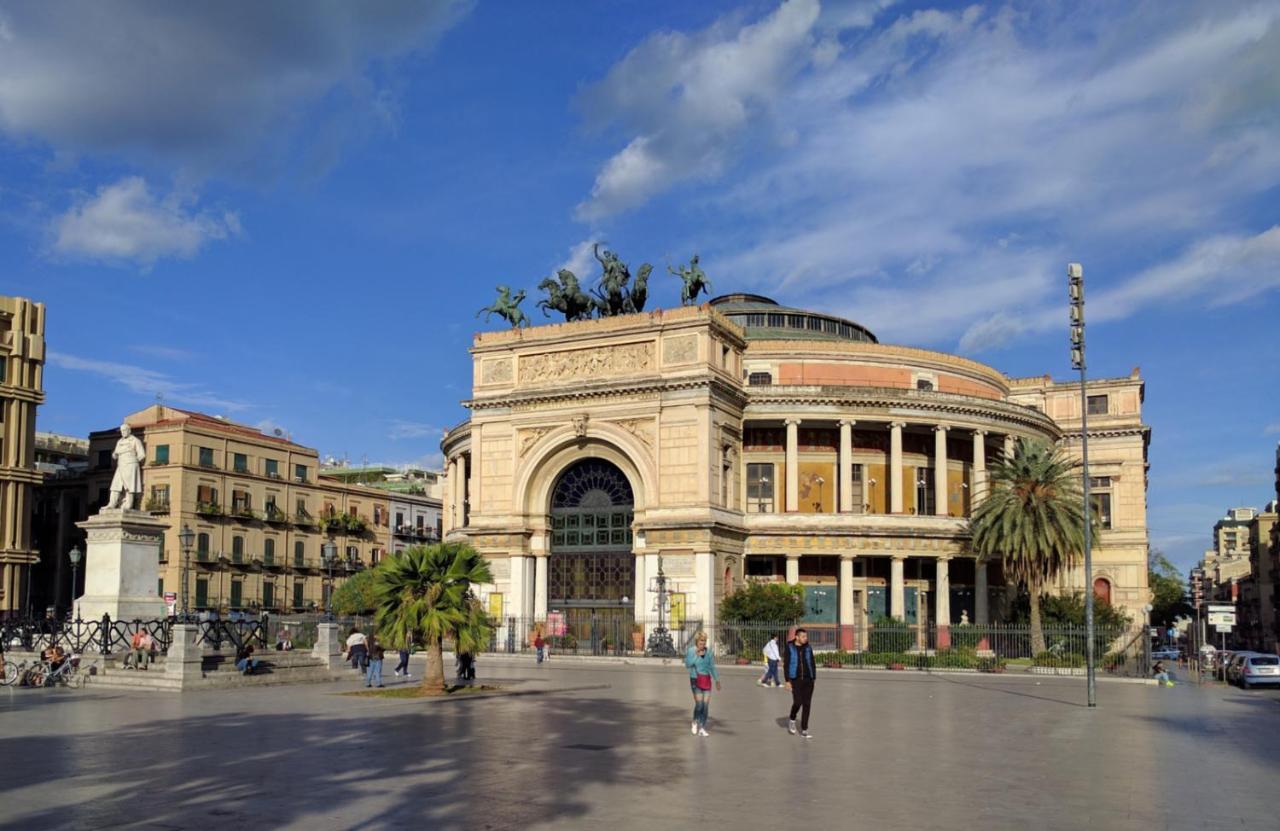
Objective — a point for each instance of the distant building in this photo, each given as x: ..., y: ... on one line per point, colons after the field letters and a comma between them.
x: 1256, y: 609
x: 1228, y: 562
x: 60, y: 456
x: 22, y: 325
x: 414, y: 494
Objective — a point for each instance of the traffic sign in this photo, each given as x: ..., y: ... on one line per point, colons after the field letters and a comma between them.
x: 1220, y: 619
x: 1220, y: 607
x: 1223, y: 629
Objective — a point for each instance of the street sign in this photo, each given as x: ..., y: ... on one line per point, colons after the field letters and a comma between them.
x: 1223, y: 629
x: 1220, y: 619
x: 1220, y: 607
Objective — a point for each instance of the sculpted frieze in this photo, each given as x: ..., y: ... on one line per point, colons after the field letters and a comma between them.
x: 680, y: 350
x: 496, y: 371
x: 598, y: 363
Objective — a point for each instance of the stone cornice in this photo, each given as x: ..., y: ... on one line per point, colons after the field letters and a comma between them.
x: 714, y: 383
x: 645, y: 323
x: 1141, y: 430
x: 22, y: 394
x: 941, y: 403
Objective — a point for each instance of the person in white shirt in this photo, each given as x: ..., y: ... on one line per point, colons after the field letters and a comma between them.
x: 771, y: 657
x: 357, y: 650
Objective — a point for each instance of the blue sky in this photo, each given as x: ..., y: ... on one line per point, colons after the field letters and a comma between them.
x: 288, y: 214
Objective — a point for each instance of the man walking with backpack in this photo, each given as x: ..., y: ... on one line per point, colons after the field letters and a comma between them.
x: 800, y: 670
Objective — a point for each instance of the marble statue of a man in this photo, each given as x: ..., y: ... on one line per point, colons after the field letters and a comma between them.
x: 130, y: 456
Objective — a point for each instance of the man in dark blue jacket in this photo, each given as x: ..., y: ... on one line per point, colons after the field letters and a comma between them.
x: 800, y: 670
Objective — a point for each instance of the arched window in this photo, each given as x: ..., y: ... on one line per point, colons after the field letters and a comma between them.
x: 1102, y: 589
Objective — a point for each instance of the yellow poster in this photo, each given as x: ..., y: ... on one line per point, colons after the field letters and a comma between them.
x: 495, y: 605
x: 677, y: 610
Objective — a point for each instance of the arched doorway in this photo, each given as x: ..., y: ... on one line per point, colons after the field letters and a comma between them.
x: 1102, y: 589
x: 592, y: 567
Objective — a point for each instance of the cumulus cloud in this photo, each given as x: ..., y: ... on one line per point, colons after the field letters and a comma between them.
x: 202, y: 84
x: 125, y: 222
x: 689, y: 97
x: 402, y: 429
x: 581, y: 260
x: 149, y: 383
x: 943, y: 166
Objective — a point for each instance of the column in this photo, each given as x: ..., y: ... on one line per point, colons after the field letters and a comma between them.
x: 462, y: 491
x: 651, y: 598
x: 793, y: 569
x: 942, y: 602
x: 540, y: 587
x: 894, y: 473
x: 980, y: 594
x: 978, y: 487
x: 704, y: 576
x: 793, y: 464
x: 940, y: 470
x: 846, y: 465
x: 1009, y: 442
x: 641, y: 593
x: 897, y: 588
x: 450, y: 512
x: 848, y: 623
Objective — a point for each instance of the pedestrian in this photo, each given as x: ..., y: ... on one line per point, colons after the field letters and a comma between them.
x: 283, y: 642
x: 403, y: 665
x: 1161, y: 674
x: 771, y: 658
x: 357, y: 650
x: 800, y: 672
x: 245, y: 662
x: 466, y: 666
x: 373, y: 676
x: 702, y: 671
x: 538, y: 643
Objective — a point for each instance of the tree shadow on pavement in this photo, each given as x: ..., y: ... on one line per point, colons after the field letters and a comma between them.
x: 474, y: 764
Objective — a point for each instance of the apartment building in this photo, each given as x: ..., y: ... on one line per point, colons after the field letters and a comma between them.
x: 22, y: 325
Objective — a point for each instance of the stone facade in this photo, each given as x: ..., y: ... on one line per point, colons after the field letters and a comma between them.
x: 824, y: 458
x: 22, y: 324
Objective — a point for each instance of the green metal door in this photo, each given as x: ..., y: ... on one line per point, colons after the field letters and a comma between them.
x: 268, y: 596
x: 202, y: 593
x: 237, y: 594
x: 877, y: 606
x: 910, y: 605
x: 820, y: 604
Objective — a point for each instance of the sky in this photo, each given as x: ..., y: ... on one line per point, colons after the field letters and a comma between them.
x: 288, y: 214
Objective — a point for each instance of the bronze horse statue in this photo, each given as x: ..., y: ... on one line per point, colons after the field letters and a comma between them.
x: 566, y: 297
x: 507, y: 307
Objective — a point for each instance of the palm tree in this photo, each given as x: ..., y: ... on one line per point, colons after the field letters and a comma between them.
x: 424, y: 596
x: 1032, y: 521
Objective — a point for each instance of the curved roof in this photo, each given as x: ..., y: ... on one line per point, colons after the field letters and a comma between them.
x: 763, y: 319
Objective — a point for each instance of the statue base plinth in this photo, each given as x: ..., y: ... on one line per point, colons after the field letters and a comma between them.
x: 121, y: 569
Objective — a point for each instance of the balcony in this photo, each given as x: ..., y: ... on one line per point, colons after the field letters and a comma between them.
x: 243, y: 512
x: 157, y: 506
x: 208, y: 509
x: 304, y: 520
x: 273, y: 474
x: 275, y: 516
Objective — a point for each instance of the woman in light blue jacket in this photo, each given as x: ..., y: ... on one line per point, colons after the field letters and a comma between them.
x: 702, y: 672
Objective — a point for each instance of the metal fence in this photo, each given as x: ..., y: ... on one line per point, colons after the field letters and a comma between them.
x: 1121, y: 651
x: 106, y: 636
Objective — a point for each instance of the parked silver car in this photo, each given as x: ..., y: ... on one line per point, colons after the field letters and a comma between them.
x: 1249, y: 669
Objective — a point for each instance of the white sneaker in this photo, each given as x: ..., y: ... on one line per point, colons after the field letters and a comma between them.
x: 702, y: 731
x: 804, y: 734
x: 693, y: 728
x: 791, y: 727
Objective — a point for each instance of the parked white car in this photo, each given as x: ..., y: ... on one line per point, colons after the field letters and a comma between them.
x: 1250, y: 669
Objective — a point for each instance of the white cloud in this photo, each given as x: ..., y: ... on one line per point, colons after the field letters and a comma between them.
x: 149, y: 383
x: 126, y: 222
x: 945, y: 165
x: 690, y: 97
x: 165, y: 353
x: 203, y: 84
x: 1272, y: 429
x: 401, y: 429
x: 581, y: 261
x: 271, y: 427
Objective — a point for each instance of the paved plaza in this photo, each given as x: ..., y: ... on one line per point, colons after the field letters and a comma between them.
x: 608, y: 746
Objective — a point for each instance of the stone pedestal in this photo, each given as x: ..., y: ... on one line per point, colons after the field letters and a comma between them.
x: 122, y: 566
x: 329, y: 645
x: 184, y: 659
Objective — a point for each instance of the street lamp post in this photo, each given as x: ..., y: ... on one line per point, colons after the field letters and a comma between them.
x: 329, y: 553
x: 1075, y: 290
x: 74, y: 556
x: 186, y: 537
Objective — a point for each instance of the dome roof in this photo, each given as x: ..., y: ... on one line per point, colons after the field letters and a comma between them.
x: 763, y: 319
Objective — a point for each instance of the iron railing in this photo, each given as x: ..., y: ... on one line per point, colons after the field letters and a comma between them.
x: 106, y: 636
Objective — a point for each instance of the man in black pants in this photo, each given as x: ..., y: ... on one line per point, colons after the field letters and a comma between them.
x: 800, y: 670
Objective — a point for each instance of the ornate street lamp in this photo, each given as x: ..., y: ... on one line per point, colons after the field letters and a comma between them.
x: 329, y: 553
x: 1075, y: 291
x: 186, y: 538
x: 74, y: 556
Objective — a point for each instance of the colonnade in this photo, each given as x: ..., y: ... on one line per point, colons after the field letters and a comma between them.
x: 978, y: 486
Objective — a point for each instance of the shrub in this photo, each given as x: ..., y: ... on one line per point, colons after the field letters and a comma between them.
x: 356, y: 595
x: 889, y: 635
x: 766, y: 602
x: 1058, y: 660
x: 967, y: 636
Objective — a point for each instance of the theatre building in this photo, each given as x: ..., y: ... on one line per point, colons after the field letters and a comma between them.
x: 742, y: 440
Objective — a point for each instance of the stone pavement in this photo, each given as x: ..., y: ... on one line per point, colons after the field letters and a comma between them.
x: 609, y: 747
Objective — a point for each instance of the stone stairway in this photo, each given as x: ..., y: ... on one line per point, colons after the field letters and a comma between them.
x: 218, y: 671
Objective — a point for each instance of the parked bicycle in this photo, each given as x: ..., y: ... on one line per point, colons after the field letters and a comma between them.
x: 69, y: 673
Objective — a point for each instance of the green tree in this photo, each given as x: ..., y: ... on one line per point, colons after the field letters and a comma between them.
x: 1032, y: 521
x: 356, y: 595
x: 424, y: 595
x: 1168, y: 590
x: 767, y: 602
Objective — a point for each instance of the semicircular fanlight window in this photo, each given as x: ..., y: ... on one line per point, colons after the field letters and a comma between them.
x: 592, y: 484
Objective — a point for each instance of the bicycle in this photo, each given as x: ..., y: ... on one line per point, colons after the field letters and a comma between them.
x: 69, y: 674
x: 13, y: 672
